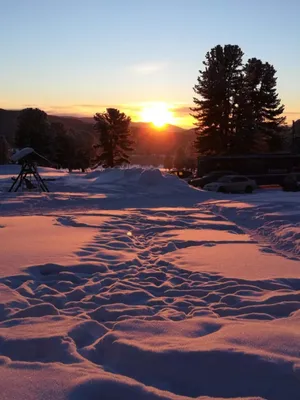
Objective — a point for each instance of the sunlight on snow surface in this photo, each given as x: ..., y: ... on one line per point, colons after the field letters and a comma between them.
x: 129, y: 284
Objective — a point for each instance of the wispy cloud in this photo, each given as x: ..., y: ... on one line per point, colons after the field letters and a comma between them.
x: 182, y: 110
x: 148, y: 67
x: 88, y: 110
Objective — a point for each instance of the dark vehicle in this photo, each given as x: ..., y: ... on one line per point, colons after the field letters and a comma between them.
x: 209, y: 178
x: 182, y: 174
x: 291, y: 183
x: 265, y: 169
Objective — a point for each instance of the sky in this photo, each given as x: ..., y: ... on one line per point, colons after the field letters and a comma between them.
x: 78, y: 57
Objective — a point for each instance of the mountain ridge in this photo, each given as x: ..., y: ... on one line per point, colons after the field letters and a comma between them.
x: 148, y: 138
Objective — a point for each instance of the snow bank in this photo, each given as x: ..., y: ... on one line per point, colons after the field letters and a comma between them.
x: 136, y: 180
x: 271, y: 214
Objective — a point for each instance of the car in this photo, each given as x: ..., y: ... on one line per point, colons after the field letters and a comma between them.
x: 182, y: 174
x: 291, y: 182
x: 209, y: 178
x: 232, y: 184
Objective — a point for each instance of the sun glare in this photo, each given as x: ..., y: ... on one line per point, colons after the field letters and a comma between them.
x: 159, y: 114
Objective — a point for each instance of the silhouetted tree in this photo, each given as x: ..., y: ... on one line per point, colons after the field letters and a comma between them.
x: 260, y: 121
x: 71, y: 149
x: 84, y: 150
x: 115, y: 140
x: 4, y: 150
x: 238, y: 109
x: 191, y: 157
x: 272, y: 119
x: 180, y: 158
x: 63, y: 146
x: 33, y: 130
x: 191, y: 163
x: 168, y: 162
x: 215, y: 105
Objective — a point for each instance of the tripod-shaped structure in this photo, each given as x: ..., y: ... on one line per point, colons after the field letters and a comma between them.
x: 28, y: 171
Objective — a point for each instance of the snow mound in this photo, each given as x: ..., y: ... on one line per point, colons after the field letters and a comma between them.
x: 151, y: 177
x: 130, y: 182
x: 110, y: 175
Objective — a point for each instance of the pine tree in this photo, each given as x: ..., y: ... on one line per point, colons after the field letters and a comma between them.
x: 238, y: 109
x: 260, y: 120
x: 71, y: 149
x: 272, y: 110
x: 247, y: 139
x: 62, y: 149
x: 115, y: 140
x: 4, y: 149
x: 84, y: 150
x: 33, y: 130
x: 214, y: 110
x: 168, y: 162
x: 180, y: 158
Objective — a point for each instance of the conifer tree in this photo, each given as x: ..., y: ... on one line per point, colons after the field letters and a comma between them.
x: 260, y: 121
x: 4, y: 149
x: 215, y: 105
x: 115, y: 141
x: 272, y: 110
x: 237, y: 109
x: 180, y: 158
x: 168, y: 162
x: 72, y: 149
x: 33, y: 130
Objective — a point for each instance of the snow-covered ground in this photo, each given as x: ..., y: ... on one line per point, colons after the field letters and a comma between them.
x: 129, y: 284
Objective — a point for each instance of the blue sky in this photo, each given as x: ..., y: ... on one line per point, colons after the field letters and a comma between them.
x: 71, y: 56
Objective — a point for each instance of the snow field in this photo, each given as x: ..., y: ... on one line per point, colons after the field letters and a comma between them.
x: 156, y: 291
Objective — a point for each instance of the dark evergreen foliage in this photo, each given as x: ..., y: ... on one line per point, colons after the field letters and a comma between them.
x: 180, y: 159
x: 237, y: 109
x: 4, y: 150
x: 168, y: 162
x: 71, y: 149
x: 260, y: 122
x: 33, y: 130
x: 215, y: 109
x: 115, y: 141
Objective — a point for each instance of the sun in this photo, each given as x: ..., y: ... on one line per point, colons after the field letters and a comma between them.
x: 159, y: 114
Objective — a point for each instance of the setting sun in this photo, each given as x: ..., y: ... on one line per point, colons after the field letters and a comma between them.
x: 159, y: 114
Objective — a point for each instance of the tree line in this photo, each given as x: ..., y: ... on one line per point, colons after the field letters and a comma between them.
x: 237, y: 110
x: 237, y: 107
x: 109, y: 145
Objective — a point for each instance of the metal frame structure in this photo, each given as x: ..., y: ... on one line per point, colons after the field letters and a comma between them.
x: 28, y: 169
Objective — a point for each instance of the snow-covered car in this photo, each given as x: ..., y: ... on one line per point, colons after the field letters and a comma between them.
x: 209, y: 178
x: 232, y: 184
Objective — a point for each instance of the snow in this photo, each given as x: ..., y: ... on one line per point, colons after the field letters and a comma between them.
x: 25, y: 241
x: 129, y: 284
x: 271, y: 215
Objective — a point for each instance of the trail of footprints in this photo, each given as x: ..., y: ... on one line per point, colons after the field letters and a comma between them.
x: 123, y: 275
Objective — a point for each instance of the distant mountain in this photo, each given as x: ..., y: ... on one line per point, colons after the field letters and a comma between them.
x: 75, y: 123
x: 148, y: 138
x: 143, y: 125
x: 9, y: 118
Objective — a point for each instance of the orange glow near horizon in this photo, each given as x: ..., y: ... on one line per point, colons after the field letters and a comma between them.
x: 158, y: 113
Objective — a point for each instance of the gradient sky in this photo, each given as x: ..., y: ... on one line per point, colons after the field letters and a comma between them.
x: 79, y: 56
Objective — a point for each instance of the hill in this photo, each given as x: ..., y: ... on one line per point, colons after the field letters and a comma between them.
x: 149, y: 140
